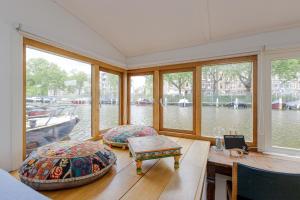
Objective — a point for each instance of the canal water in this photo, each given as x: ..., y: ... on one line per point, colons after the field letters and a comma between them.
x: 285, y: 130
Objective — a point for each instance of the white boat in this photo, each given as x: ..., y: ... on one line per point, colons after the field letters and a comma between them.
x: 45, y: 130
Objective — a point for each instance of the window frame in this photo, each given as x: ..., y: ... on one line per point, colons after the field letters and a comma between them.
x: 197, y: 85
x: 46, y: 50
x: 161, y: 93
x: 95, y: 67
x: 129, y: 75
x: 267, y: 100
x: 121, y: 96
x: 233, y: 60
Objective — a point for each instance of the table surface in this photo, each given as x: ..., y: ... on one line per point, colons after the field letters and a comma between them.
x: 220, y: 162
x: 260, y: 160
x: 152, y: 143
x: 159, y: 181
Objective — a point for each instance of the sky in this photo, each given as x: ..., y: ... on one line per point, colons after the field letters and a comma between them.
x: 68, y: 64
x: 65, y: 63
x: 138, y: 81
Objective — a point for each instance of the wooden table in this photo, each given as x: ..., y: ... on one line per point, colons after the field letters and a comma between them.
x: 221, y: 162
x: 159, y: 179
x: 153, y: 147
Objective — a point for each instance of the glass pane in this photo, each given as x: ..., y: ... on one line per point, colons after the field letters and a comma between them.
x: 141, y: 100
x: 177, y: 101
x: 109, y: 100
x: 58, y: 99
x: 286, y: 103
x: 227, y: 100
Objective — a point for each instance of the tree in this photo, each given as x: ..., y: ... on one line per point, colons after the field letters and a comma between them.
x: 42, y: 76
x: 240, y: 71
x: 148, y: 91
x: 214, y: 73
x: 109, y: 86
x: 179, y: 80
x: 80, y: 78
x: 286, y: 70
x: 245, y: 76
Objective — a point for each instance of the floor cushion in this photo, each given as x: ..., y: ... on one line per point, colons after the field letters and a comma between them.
x: 118, y: 136
x: 66, y: 164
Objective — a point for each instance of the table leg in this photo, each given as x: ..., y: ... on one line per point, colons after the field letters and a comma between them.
x: 130, y: 154
x: 176, y: 162
x: 139, y: 167
x: 211, y: 181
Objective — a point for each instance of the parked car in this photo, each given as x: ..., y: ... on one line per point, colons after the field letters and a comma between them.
x: 33, y: 99
x: 239, y: 105
x: 81, y: 101
x: 48, y: 99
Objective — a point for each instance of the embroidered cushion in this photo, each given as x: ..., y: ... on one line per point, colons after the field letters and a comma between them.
x: 66, y: 164
x: 118, y: 136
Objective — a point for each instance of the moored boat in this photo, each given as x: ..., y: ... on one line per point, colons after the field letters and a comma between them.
x: 45, y: 130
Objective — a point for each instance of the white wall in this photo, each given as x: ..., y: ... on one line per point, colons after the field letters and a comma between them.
x: 46, y: 19
x: 254, y: 43
x: 5, y: 97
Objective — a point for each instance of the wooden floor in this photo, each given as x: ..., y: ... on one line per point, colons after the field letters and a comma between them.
x: 159, y: 180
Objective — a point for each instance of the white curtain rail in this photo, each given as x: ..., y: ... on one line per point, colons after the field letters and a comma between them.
x: 40, y: 38
x: 45, y: 40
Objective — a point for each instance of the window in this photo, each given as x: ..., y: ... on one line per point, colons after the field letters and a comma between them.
x: 141, y: 100
x: 58, y: 99
x: 285, y: 98
x: 228, y: 104
x: 109, y: 100
x: 177, y: 100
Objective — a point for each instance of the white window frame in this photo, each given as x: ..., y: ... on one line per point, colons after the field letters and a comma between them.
x: 268, y: 57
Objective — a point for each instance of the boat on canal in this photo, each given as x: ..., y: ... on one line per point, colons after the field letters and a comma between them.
x: 56, y: 127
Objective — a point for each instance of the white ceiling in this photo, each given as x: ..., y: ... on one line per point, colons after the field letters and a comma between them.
x: 140, y: 27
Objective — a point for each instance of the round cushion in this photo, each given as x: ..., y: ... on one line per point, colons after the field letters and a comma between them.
x: 66, y: 164
x: 118, y: 136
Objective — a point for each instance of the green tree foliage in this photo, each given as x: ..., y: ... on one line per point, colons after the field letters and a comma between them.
x: 113, y: 82
x: 215, y: 74
x: 286, y: 70
x: 182, y: 81
x: 80, y: 78
x: 229, y: 72
x: 148, y: 92
x: 42, y: 76
x: 141, y: 87
x: 240, y: 71
x: 109, y: 86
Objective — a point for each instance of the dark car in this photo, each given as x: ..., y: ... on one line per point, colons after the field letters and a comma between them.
x: 239, y: 105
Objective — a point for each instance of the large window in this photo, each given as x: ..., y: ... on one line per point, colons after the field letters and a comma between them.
x: 141, y: 100
x: 176, y: 100
x: 58, y: 99
x: 285, y: 84
x: 205, y: 99
x: 109, y: 100
x: 227, y: 100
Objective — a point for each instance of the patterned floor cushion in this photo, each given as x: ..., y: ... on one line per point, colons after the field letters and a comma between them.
x: 118, y: 136
x: 66, y: 164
